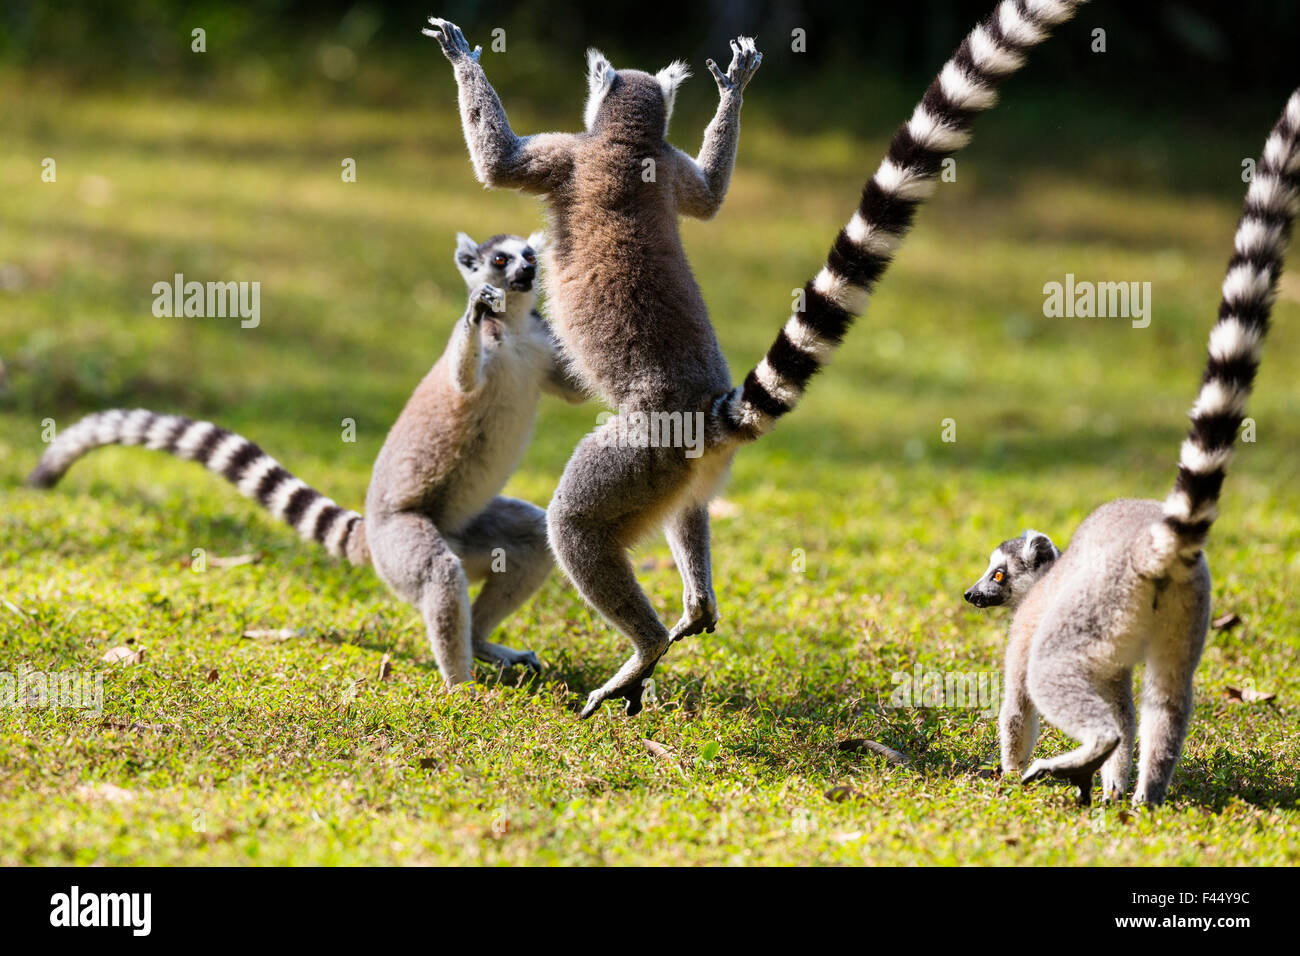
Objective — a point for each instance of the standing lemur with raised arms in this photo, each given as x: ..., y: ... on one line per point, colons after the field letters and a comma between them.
x: 1133, y: 584
x: 434, y: 517
x: 633, y: 321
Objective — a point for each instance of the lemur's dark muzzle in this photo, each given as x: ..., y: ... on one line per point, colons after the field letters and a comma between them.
x: 974, y: 597
x: 523, y: 279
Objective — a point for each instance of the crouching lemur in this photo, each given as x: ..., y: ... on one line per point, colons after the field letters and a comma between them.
x: 1133, y: 585
x: 435, y: 519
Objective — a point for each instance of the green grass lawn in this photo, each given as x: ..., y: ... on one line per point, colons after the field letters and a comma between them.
x: 840, y: 560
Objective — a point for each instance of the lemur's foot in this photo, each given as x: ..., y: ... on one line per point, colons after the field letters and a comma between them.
x: 449, y: 36
x: 1081, y: 777
x: 697, y: 622
x: 628, y: 683
x: 504, y: 657
x: 1111, y: 791
x: 745, y: 60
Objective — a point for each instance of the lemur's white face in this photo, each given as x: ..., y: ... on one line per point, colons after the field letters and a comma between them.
x: 1015, y: 566
x: 507, y: 262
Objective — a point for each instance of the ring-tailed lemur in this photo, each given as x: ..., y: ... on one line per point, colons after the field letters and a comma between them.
x: 1133, y: 583
x: 434, y: 517
x: 633, y: 320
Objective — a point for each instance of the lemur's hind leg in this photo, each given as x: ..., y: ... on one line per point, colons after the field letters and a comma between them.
x: 420, y: 566
x: 1118, y: 768
x: 608, y: 497
x: 1083, y: 706
x: 1167, y: 702
x: 505, y: 546
x: 688, y: 537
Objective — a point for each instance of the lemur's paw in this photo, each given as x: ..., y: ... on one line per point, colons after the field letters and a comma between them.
x: 503, y: 657
x: 487, y: 300
x: 628, y: 683
x: 526, y: 659
x: 745, y: 60
x: 1080, y: 777
x: 1037, y: 771
x: 449, y: 36
x: 1111, y: 792
x: 698, y: 623
x: 597, y: 697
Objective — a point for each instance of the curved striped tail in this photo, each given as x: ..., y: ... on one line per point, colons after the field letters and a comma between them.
x: 939, y: 127
x: 1263, y: 232
x: 256, y: 474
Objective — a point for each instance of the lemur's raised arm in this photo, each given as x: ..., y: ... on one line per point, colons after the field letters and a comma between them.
x: 534, y: 164
x: 465, y: 350
x: 701, y: 183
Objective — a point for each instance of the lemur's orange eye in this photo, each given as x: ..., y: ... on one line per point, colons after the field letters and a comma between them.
x: 998, y: 576
x: 530, y: 258
x: 499, y: 261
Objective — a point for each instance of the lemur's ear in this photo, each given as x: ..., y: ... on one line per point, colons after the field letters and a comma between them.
x: 537, y: 240
x: 671, y: 77
x: 600, y: 77
x: 1038, y: 548
x: 466, y: 251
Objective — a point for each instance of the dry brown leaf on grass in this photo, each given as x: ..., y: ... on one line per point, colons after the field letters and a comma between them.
x: 212, y: 675
x: 863, y: 745
x: 385, y: 667
x: 658, y: 750
x: 843, y: 793
x: 1247, y: 695
x: 108, y: 792
x: 1226, y: 623
x: 123, y: 655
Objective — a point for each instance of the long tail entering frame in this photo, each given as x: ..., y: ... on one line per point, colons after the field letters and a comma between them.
x: 939, y: 127
x: 241, y: 462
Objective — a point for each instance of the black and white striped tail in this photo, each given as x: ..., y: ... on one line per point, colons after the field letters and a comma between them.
x: 256, y: 474
x: 939, y: 127
x: 1263, y: 232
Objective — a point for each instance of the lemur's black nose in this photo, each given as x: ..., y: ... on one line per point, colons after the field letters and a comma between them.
x: 522, y: 280
x: 969, y: 596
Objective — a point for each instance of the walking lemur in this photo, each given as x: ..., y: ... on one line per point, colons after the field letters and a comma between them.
x: 633, y: 321
x: 1134, y: 583
x: 435, y: 519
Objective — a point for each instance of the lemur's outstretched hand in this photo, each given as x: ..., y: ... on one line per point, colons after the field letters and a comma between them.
x: 745, y: 60
x: 486, y: 300
x: 454, y: 45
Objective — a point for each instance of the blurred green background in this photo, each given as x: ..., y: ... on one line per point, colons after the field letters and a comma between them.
x: 1116, y: 166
